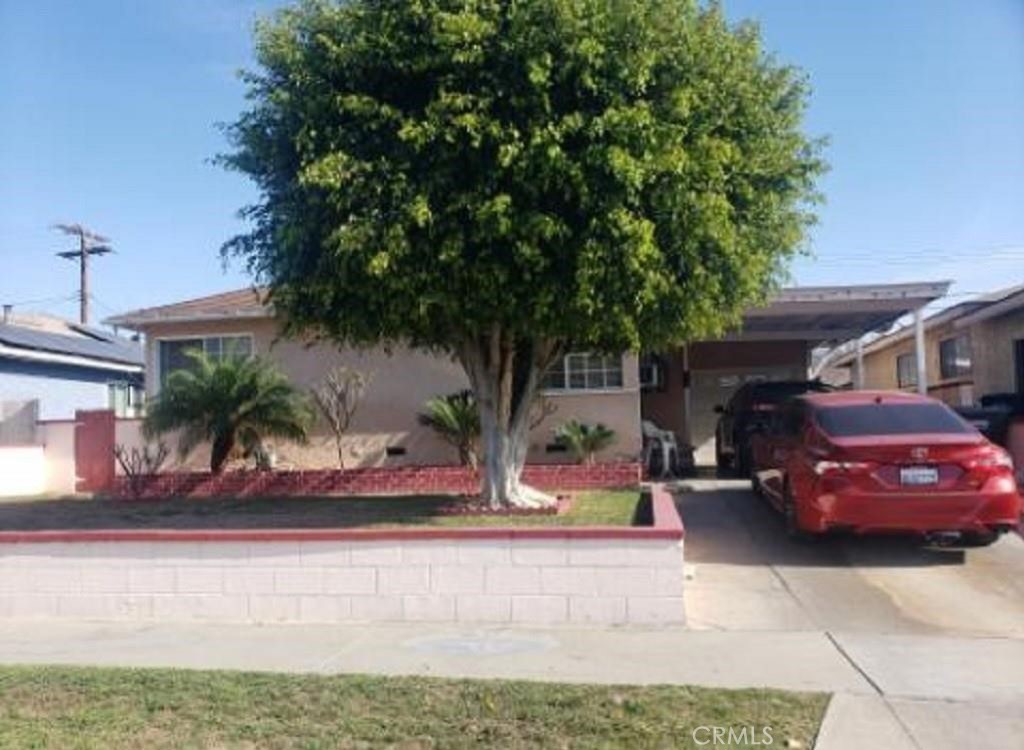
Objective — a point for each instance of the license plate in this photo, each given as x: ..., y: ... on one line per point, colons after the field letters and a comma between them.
x: 919, y: 475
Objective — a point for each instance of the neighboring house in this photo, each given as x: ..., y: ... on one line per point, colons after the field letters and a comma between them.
x: 53, y: 368
x: 675, y: 390
x: 972, y: 349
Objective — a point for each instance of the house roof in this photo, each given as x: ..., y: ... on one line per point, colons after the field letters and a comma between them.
x: 963, y: 313
x: 1010, y: 301
x: 240, y: 303
x: 77, y: 345
x: 820, y: 313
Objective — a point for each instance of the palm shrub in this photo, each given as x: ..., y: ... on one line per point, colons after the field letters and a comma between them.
x: 232, y: 403
x: 456, y: 419
x: 584, y: 440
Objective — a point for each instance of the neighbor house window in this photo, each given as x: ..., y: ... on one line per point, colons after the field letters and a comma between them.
x: 955, y: 357
x: 126, y: 399
x: 906, y: 370
x: 174, y: 352
x: 584, y: 372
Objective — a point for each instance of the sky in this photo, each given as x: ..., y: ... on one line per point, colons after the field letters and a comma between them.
x: 109, y: 112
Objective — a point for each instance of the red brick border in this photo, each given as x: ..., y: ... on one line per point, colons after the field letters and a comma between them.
x: 376, y: 480
x: 667, y: 524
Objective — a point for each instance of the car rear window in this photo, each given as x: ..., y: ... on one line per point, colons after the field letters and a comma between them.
x: 890, y: 419
x: 776, y: 393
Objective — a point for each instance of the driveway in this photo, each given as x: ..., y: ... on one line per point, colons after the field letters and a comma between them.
x: 744, y: 574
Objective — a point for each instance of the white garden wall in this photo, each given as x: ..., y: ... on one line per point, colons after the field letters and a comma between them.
x: 535, y: 581
x: 536, y: 576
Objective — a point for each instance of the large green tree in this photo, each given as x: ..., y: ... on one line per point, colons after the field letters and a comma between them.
x: 505, y: 179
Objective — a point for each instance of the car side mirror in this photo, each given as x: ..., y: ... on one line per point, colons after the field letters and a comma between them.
x: 719, y: 409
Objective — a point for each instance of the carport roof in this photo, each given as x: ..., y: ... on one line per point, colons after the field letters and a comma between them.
x: 835, y: 314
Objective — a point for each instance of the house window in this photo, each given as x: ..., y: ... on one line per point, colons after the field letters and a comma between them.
x: 126, y: 399
x: 906, y: 370
x: 174, y: 352
x: 582, y: 371
x: 652, y: 372
x: 955, y: 357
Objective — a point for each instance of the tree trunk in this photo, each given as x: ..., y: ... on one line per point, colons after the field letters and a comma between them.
x: 340, y: 445
x: 220, y: 451
x: 505, y: 375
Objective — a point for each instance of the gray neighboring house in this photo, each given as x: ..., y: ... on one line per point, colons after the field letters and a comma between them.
x: 49, y: 368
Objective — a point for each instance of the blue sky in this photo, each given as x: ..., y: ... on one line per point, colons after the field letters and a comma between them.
x: 108, y: 112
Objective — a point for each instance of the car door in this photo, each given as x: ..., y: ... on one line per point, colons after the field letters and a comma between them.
x: 733, y: 408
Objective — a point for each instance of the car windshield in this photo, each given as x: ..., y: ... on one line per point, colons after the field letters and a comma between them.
x: 890, y: 419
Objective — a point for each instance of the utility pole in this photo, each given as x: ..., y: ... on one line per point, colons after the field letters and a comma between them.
x: 89, y: 243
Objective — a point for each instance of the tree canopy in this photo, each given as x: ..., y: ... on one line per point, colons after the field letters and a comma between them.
x: 505, y: 179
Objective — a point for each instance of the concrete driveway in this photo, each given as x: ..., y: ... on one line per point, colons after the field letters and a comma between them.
x: 937, y: 633
x: 744, y: 574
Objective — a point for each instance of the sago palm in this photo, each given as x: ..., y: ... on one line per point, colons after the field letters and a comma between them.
x: 584, y: 440
x: 232, y: 404
x: 456, y: 419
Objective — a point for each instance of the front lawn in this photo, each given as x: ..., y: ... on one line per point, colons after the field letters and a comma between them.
x: 111, y: 709
x: 599, y: 507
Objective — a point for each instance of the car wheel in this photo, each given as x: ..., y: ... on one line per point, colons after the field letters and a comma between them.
x: 978, y: 538
x: 792, y: 519
x: 755, y: 486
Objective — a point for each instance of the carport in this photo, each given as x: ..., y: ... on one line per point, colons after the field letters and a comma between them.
x: 681, y: 388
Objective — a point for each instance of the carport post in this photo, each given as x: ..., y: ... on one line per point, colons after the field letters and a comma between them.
x: 919, y: 351
x: 858, y: 381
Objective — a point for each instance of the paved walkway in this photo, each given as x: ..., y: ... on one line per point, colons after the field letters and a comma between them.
x: 892, y: 691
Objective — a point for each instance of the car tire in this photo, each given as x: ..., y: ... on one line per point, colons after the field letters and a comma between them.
x: 978, y: 538
x: 755, y: 486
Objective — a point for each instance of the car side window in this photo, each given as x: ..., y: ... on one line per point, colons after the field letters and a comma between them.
x: 791, y: 420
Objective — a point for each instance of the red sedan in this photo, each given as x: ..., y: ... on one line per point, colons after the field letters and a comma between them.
x: 870, y: 461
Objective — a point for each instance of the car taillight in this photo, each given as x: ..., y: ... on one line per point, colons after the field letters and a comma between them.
x: 995, y: 460
x: 821, y: 468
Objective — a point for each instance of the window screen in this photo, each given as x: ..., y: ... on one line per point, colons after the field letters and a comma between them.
x: 906, y: 370
x: 955, y: 357
x: 890, y: 419
x: 174, y: 352
x: 583, y: 371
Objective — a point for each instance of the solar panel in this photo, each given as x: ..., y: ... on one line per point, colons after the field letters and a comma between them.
x: 113, y: 349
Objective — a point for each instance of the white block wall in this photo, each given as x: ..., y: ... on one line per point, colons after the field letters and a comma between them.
x: 536, y: 582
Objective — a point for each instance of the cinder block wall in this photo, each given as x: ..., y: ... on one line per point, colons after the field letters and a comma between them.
x: 635, y: 581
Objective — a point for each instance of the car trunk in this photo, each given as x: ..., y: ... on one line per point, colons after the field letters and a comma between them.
x: 915, y: 463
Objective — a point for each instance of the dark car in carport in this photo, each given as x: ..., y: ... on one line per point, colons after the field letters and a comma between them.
x: 750, y: 407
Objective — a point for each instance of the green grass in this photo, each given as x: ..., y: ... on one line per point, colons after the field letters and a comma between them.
x: 107, y: 709
x: 605, y: 507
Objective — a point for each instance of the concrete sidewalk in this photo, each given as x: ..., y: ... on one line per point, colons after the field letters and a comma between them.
x: 891, y: 691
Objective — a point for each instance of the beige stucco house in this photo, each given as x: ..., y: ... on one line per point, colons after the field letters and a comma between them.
x: 385, y: 430
x: 971, y: 350
x: 675, y: 390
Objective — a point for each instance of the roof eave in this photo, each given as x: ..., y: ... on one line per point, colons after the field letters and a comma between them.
x: 994, y: 310
x: 138, y: 323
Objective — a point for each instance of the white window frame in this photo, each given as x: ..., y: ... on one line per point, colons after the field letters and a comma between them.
x: 569, y: 390
x: 157, y: 369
